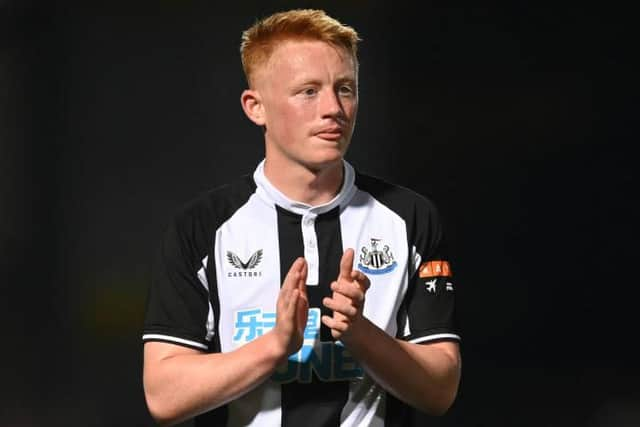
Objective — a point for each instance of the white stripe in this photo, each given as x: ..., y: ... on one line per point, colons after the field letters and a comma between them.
x: 202, y: 276
x: 173, y: 339
x: 435, y: 337
x: 366, y: 405
x: 260, y: 407
x: 407, y: 325
x: 417, y: 260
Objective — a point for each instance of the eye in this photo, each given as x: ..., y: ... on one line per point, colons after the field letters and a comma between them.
x: 345, y: 90
x: 310, y: 91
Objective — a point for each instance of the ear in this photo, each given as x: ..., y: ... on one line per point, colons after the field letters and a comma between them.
x: 253, y: 107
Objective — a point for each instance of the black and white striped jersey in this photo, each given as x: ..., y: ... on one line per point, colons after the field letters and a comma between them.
x: 223, y: 260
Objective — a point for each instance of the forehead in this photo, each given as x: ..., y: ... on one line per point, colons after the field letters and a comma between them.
x: 301, y: 57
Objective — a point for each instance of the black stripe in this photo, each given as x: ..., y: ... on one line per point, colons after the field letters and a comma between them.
x: 318, y: 403
x: 330, y: 250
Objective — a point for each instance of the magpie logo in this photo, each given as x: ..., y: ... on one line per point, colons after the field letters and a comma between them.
x: 253, y: 262
x: 374, y: 260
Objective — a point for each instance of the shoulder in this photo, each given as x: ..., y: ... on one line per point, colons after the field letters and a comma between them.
x: 425, y: 228
x: 402, y: 200
x: 215, y: 204
x: 198, y: 219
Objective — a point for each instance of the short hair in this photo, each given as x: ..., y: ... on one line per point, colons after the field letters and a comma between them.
x: 261, y: 39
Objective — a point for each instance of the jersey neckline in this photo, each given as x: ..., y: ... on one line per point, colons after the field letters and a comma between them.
x: 271, y: 195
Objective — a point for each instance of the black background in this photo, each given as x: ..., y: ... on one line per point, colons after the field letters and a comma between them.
x: 516, y: 119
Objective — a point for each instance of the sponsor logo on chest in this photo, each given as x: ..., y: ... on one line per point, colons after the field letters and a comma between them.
x: 328, y: 360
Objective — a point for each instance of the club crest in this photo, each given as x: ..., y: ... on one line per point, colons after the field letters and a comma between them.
x: 374, y: 260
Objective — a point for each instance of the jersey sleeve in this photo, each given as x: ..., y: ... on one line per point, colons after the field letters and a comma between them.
x: 430, y: 298
x: 178, y: 307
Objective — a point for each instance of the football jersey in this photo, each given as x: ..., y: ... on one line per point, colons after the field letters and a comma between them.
x: 225, y: 256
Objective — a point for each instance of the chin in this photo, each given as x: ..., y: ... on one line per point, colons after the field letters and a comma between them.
x: 321, y: 163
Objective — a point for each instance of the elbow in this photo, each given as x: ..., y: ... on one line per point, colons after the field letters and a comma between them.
x: 160, y: 411
x: 440, y: 407
x: 439, y: 403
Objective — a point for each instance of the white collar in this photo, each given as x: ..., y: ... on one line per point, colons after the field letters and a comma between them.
x: 271, y: 194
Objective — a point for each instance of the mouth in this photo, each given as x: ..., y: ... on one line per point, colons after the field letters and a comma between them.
x: 331, y: 134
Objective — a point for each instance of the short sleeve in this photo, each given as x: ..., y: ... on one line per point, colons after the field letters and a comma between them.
x: 178, y: 308
x: 430, y: 298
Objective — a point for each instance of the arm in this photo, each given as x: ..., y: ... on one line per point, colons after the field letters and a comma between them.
x: 424, y: 376
x: 180, y: 382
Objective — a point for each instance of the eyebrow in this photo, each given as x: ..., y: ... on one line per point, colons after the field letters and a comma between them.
x: 316, y: 82
x: 312, y: 81
x: 346, y: 80
x: 305, y: 82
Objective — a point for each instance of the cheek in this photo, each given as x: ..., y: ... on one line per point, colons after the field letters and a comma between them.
x: 352, y: 108
x: 283, y: 111
x: 290, y: 120
x: 285, y: 124
x: 295, y: 118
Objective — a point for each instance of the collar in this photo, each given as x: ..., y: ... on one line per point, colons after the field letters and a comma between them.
x: 270, y: 194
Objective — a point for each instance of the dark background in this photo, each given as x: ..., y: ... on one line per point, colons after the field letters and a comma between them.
x: 516, y: 119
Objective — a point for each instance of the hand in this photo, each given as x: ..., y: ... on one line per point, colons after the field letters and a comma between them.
x: 292, y: 308
x: 347, y: 300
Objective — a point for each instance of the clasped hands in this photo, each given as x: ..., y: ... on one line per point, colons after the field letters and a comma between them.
x: 346, y: 302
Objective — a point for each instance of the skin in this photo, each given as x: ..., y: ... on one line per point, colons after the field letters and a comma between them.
x: 306, y: 97
x: 180, y: 382
x: 425, y: 376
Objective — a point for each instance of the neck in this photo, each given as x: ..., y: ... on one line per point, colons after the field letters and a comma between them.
x: 302, y: 184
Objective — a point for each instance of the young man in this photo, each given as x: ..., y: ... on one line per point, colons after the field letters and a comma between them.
x: 260, y: 312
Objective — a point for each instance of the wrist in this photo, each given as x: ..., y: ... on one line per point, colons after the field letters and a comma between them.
x: 275, y: 347
x: 358, y: 331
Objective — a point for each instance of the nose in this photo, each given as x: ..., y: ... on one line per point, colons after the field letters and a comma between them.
x: 331, y: 105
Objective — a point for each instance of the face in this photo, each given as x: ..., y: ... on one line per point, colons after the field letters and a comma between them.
x: 308, y: 91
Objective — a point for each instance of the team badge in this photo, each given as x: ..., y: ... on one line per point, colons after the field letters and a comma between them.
x: 376, y: 261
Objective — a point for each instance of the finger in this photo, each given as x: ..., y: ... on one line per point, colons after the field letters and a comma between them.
x: 302, y: 282
x: 293, y: 304
x: 302, y: 313
x: 292, y: 277
x: 361, y: 279
x: 346, y: 264
x: 334, y: 324
x: 351, y: 291
x: 290, y: 281
x: 303, y: 302
x: 284, y: 300
x: 341, y: 307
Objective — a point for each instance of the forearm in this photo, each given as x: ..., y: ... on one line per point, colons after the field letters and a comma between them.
x: 424, y: 376
x: 180, y: 386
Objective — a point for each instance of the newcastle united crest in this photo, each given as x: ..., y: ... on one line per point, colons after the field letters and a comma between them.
x: 374, y: 260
